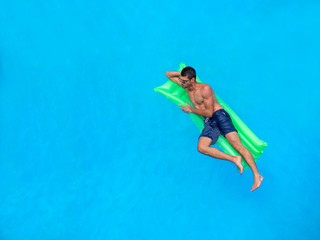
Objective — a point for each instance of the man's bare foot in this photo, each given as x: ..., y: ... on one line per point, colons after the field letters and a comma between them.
x: 257, y: 182
x: 237, y: 161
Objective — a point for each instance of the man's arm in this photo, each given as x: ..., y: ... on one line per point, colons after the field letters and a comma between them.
x: 208, y: 103
x: 174, y: 76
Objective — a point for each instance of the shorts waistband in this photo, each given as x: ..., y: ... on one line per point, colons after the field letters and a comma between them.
x: 214, y: 115
x: 218, y: 111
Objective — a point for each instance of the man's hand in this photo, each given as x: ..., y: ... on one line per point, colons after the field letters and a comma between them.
x: 186, y: 109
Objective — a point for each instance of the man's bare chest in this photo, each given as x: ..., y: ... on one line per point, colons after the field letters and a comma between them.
x: 196, y: 98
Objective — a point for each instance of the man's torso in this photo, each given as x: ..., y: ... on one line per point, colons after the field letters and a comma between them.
x: 197, y: 99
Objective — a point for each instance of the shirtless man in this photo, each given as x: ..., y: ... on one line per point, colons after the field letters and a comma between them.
x: 217, y: 121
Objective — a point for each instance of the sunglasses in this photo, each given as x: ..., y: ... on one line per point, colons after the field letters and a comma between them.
x: 183, y: 80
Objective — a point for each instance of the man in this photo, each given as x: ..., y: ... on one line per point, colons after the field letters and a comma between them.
x: 217, y: 121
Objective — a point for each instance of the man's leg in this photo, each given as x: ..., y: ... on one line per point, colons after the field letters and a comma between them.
x: 234, y: 140
x: 204, y: 147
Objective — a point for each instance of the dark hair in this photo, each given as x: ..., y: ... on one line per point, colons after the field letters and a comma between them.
x: 189, y: 72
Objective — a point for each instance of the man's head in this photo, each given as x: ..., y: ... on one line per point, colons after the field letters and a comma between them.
x: 189, y: 72
x: 188, y: 77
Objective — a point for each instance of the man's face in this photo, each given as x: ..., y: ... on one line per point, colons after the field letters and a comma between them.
x: 185, y: 81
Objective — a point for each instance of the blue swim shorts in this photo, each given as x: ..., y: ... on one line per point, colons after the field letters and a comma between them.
x: 219, y: 123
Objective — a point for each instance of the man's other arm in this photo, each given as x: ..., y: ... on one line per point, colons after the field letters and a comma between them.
x: 174, y: 76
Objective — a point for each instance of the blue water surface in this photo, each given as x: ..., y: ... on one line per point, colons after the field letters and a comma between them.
x: 89, y: 151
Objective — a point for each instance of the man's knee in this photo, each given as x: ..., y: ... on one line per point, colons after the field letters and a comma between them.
x: 202, y: 148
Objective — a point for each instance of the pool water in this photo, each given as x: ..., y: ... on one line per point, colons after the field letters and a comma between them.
x: 89, y: 151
